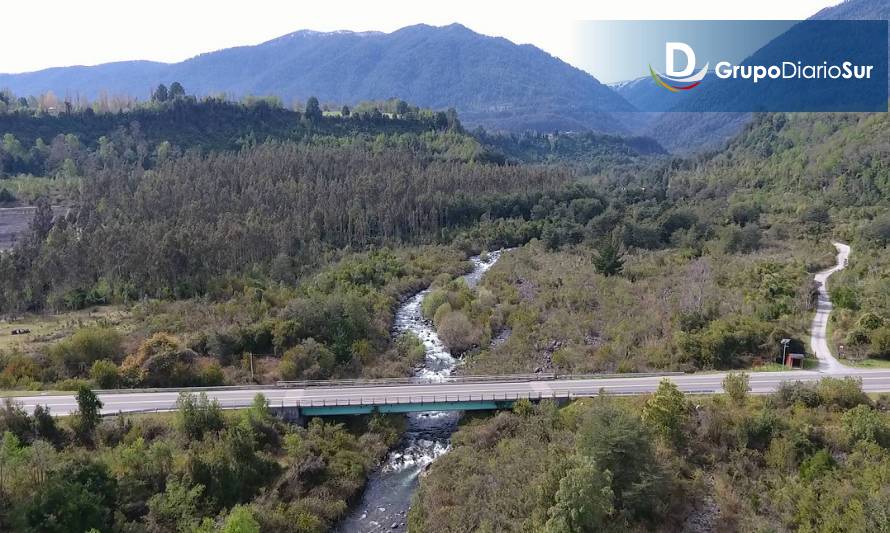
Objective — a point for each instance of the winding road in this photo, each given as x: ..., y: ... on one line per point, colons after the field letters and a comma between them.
x: 503, y: 388
x: 819, y: 330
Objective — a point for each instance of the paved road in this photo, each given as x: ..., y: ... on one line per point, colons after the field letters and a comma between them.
x: 819, y: 329
x: 761, y: 382
x: 703, y: 383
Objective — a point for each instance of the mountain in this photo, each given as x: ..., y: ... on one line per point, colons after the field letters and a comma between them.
x: 491, y: 81
x: 686, y: 129
x: 643, y: 93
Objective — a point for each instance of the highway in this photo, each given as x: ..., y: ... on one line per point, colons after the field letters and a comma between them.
x: 702, y: 383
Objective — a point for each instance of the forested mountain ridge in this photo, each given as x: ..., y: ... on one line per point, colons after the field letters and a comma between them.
x: 39, y: 139
x: 491, y: 81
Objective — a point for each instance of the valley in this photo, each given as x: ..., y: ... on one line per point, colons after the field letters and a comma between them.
x: 432, y: 280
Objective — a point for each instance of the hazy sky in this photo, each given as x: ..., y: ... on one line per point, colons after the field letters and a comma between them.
x: 60, y: 33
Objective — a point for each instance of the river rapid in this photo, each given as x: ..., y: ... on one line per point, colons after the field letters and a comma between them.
x: 387, y: 496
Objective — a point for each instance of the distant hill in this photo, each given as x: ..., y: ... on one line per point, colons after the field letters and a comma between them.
x: 491, y: 81
x: 834, y: 159
x: 643, y: 93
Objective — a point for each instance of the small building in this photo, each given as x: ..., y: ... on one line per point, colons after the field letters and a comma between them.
x: 794, y: 360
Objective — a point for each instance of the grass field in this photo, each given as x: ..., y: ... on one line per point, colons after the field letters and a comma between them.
x: 46, y: 329
x: 808, y: 364
x: 867, y: 363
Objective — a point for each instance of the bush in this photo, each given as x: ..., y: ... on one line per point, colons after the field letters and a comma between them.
x: 844, y: 393
x: 161, y: 361
x: 741, y: 240
x: 816, y: 465
x: 790, y: 393
x: 308, y: 360
x: 870, y: 321
x: 197, y: 415
x: 759, y: 429
x: 667, y: 411
x: 78, y: 497
x: 724, y: 342
x: 844, y: 297
x: 104, y: 374
x: 458, y: 333
x: 77, y: 353
x: 432, y: 301
x: 863, y: 423
x: 736, y: 386
x: 880, y: 342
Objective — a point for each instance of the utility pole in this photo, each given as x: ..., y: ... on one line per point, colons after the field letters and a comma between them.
x: 251, y: 365
x: 785, y: 343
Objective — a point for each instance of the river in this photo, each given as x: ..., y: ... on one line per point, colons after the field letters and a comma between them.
x: 387, y: 496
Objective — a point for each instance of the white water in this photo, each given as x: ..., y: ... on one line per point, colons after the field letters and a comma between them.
x: 385, y: 502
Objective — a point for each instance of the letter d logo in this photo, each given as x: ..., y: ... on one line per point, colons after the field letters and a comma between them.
x: 679, y: 80
x: 670, y: 50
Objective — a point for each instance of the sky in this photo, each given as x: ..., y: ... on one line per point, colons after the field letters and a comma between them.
x: 88, y: 32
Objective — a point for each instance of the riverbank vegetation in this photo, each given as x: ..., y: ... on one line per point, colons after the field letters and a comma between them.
x: 810, y: 457
x: 196, y: 470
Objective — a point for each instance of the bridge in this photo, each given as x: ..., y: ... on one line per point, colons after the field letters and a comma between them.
x: 462, y: 393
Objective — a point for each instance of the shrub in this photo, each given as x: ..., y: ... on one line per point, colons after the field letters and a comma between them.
x: 211, y: 374
x: 19, y: 370
x: 523, y: 407
x: 736, y: 386
x: 857, y: 337
x: 87, y: 416
x: 870, y: 321
x: 14, y: 419
x: 458, y: 333
x: 197, y: 415
x: 104, y: 374
x: 667, y: 411
x: 863, y: 423
x: 741, y: 240
x: 432, y: 301
x: 816, y: 465
x: 759, y: 429
x: 584, y: 500
x: 77, y: 353
x: 161, y: 361
x: 880, y: 342
x: 844, y: 393
x: 844, y: 297
x: 308, y: 360
x: 45, y: 426
x: 240, y: 520
x: 793, y: 392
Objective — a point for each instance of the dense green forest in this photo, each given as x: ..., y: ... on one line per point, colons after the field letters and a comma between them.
x: 196, y: 470
x: 46, y: 137
x: 809, y: 457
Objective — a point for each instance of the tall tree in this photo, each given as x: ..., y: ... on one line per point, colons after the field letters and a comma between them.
x: 583, y: 501
x: 313, y: 110
x: 176, y: 90
x: 160, y: 94
x: 88, y: 413
x: 667, y: 411
x: 42, y: 222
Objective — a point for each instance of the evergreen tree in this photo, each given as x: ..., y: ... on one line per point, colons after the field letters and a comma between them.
x: 610, y: 260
